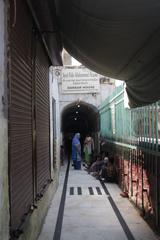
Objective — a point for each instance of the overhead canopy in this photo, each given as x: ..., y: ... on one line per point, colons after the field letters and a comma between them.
x: 119, y: 39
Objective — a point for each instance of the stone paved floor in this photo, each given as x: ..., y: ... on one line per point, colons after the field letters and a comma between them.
x: 89, y: 216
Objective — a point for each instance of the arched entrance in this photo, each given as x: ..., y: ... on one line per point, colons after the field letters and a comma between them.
x: 79, y: 117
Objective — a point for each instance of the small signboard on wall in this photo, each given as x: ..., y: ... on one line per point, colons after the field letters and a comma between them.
x: 80, y: 80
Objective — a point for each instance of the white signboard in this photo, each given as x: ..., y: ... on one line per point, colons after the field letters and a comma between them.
x: 80, y: 80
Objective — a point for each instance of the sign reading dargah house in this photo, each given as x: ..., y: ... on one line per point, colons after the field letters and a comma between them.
x: 79, y: 80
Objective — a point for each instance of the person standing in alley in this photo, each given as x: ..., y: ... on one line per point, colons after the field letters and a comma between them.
x: 62, y: 155
x: 76, y: 151
x: 88, y: 150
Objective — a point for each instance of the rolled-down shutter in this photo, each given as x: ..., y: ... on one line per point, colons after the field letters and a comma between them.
x: 20, y: 114
x: 42, y: 118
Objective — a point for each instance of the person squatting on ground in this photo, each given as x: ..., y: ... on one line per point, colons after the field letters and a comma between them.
x: 104, y: 168
x: 88, y: 150
x: 96, y: 166
x: 105, y: 159
x: 76, y: 151
x: 109, y: 172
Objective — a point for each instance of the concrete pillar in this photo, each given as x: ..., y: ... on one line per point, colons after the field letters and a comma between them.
x: 4, y: 187
x: 54, y: 120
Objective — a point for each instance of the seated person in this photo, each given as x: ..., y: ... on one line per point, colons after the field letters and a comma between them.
x: 110, y: 171
x: 102, y: 172
x: 96, y: 166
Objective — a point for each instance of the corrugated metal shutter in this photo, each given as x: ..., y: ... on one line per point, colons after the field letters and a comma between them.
x: 20, y: 114
x: 42, y: 119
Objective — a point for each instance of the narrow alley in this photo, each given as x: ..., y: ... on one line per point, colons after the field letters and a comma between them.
x: 79, y: 80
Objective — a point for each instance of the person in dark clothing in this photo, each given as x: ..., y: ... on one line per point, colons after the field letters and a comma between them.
x: 110, y: 171
x: 62, y: 155
x: 76, y: 151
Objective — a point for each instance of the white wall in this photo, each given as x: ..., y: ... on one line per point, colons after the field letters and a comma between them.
x: 4, y: 198
x: 92, y: 98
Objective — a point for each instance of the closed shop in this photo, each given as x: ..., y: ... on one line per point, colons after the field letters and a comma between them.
x: 20, y: 113
x: 29, y: 144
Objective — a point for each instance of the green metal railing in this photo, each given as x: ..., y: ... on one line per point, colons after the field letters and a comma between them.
x: 136, y: 127
x: 133, y: 135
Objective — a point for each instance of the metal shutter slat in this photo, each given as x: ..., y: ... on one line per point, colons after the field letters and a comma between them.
x: 42, y: 118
